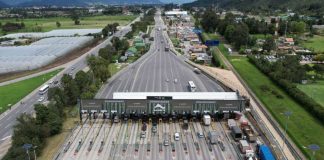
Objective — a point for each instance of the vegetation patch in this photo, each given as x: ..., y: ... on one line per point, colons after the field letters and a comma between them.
x: 13, y: 93
x: 314, y: 90
x: 303, y: 128
x: 48, y: 24
x: 315, y: 43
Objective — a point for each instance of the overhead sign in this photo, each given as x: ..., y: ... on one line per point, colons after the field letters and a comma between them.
x: 197, y: 31
x: 212, y: 43
x: 158, y: 98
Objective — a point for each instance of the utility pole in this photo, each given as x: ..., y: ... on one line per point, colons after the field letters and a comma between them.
x: 287, y: 114
x: 314, y: 148
x: 35, y: 152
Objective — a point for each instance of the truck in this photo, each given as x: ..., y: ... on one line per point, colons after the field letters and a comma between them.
x: 265, y: 153
x: 212, y: 137
x: 244, y: 146
x: 185, y: 124
x: 207, y: 120
x: 248, y: 131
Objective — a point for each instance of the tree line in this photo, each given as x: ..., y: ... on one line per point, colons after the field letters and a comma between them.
x: 146, y: 20
x: 286, y: 72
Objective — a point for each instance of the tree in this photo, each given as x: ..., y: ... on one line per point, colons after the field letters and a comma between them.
x: 58, y: 24
x: 319, y: 69
x: 269, y: 44
x: 209, y: 21
x: 229, y: 33
x: 71, y: 89
x: 298, y: 27
x: 82, y: 79
x: 107, y: 52
x: 241, y: 37
x: 75, y: 17
x: 319, y: 57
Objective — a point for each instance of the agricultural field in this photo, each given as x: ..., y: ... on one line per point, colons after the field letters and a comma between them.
x: 314, y: 90
x: 48, y: 24
x: 13, y: 93
x: 303, y: 128
x: 315, y: 43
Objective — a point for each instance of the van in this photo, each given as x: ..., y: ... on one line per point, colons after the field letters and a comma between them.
x: 177, y: 136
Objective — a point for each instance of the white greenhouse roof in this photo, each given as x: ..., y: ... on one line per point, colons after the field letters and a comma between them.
x: 54, y: 33
x: 179, y: 95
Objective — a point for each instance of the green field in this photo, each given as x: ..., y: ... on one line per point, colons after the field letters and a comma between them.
x: 314, y: 90
x: 303, y: 128
x: 48, y: 24
x: 13, y: 93
x: 316, y: 43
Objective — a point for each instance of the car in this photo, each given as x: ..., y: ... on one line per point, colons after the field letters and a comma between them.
x: 116, y: 119
x: 143, y: 135
x: 166, y: 142
x: 154, y: 129
x: 175, y: 80
x: 176, y: 136
x: 72, y: 68
x: 41, y: 99
x: 70, y: 74
x: 200, y: 134
x: 56, y: 82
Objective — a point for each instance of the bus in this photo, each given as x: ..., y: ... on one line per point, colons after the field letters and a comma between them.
x: 43, y: 89
x: 192, y: 86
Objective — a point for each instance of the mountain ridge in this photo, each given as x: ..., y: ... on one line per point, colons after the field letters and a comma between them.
x: 29, y: 3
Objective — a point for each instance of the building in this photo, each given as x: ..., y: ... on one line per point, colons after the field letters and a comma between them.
x: 176, y: 13
x: 165, y: 104
x: 289, y: 41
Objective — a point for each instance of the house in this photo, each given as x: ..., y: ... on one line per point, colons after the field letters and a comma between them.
x: 131, y: 52
x: 289, y: 41
x: 123, y: 58
x: 140, y: 45
x: 138, y: 40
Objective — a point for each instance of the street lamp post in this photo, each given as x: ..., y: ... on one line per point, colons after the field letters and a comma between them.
x: 314, y: 148
x: 27, y: 147
x: 35, y: 152
x: 287, y: 114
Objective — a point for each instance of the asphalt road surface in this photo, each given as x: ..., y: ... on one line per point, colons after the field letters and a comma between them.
x: 158, y: 71
x: 8, y: 119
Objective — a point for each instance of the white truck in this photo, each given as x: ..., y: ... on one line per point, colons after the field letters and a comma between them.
x: 207, y: 120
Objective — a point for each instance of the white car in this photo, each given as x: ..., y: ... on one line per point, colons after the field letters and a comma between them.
x: 41, y: 99
x: 177, y: 136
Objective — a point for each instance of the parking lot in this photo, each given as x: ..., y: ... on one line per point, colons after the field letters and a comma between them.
x: 102, y: 139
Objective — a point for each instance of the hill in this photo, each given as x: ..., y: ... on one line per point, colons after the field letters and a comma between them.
x: 28, y: 3
x: 52, y: 3
x: 252, y: 4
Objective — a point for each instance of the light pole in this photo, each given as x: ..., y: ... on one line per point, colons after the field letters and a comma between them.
x: 314, y: 148
x: 35, y: 152
x: 26, y: 147
x: 287, y: 114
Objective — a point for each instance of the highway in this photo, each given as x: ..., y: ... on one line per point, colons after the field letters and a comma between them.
x: 8, y: 119
x: 157, y: 71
